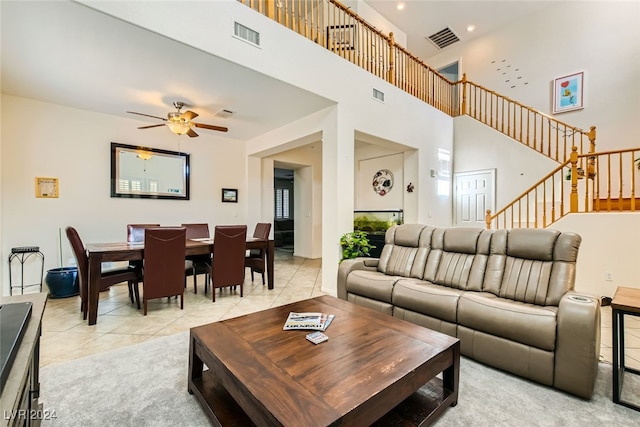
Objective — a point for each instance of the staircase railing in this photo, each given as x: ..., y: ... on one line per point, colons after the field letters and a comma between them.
x: 592, y: 182
x: 536, y: 130
x: 334, y: 26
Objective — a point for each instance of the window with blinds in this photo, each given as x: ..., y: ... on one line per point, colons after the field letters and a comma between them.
x: 282, y: 203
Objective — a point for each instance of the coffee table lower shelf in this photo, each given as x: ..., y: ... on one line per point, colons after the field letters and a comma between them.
x: 422, y: 408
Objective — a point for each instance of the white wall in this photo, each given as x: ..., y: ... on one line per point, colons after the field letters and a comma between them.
x: 518, y: 167
x: 607, y: 39
x: 609, y: 245
x: 208, y: 23
x: 601, y: 38
x: 47, y: 140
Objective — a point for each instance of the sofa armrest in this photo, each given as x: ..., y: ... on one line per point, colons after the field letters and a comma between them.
x: 349, y: 265
x: 578, y: 344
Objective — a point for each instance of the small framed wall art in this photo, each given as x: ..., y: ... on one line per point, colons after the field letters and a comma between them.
x: 229, y: 195
x: 341, y: 37
x: 47, y: 188
x: 567, y: 93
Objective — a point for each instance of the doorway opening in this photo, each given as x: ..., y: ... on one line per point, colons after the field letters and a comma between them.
x: 283, y: 226
x: 452, y: 73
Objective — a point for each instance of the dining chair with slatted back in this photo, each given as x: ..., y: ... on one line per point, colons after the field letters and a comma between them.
x: 229, y: 248
x: 163, y: 271
x: 108, y: 277
x: 201, y: 264
x: 256, y: 260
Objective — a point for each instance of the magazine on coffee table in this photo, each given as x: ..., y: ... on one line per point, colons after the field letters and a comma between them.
x: 308, y: 320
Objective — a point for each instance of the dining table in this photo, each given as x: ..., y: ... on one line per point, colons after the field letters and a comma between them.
x: 123, y: 251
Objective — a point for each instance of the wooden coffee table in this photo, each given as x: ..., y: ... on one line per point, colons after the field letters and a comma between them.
x: 374, y: 369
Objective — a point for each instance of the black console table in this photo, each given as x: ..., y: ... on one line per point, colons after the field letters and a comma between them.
x: 19, y: 401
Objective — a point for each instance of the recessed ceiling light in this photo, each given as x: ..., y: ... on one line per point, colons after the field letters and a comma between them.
x: 400, y: 6
x: 470, y: 28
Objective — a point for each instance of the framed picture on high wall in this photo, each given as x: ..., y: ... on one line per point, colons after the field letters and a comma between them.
x: 567, y: 93
x: 341, y: 37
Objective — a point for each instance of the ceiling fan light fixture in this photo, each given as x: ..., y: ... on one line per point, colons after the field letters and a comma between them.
x: 144, y: 155
x: 178, y: 128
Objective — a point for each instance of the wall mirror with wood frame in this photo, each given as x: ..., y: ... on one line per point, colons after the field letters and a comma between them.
x: 151, y: 173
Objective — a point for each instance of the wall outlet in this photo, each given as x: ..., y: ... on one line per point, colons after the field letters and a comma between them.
x: 608, y: 276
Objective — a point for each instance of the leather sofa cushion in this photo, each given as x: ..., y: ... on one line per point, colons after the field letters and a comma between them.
x: 405, y: 251
x: 531, y: 243
x: 423, y: 297
x: 461, y: 239
x: 371, y: 284
x: 458, y: 258
x: 532, y: 265
x: 524, y: 323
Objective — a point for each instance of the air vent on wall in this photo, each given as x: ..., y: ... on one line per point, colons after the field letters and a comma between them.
x: 247, y: 34
x: 443, y: 38
x: 378, y: 94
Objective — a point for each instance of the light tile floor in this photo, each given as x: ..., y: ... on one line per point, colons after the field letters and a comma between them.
x: 65, y: 336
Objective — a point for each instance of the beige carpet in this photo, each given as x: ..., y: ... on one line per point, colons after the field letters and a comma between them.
x: 146, y: 385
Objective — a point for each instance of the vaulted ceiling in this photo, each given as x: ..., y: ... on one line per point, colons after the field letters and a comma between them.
x: 66, y: 53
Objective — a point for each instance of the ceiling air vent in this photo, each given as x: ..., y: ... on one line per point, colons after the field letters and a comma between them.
x: 225, y: 114
x: 246, y: 34
x: 443, y: 38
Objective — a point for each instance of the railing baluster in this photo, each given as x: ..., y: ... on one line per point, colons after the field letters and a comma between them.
x: 334, y: 26
x: 620, y: 182
x: 608, y: 182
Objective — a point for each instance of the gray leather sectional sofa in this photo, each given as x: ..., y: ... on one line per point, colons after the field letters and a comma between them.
x: 506, y: 294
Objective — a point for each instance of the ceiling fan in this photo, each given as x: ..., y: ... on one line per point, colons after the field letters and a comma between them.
x: 180, y: 123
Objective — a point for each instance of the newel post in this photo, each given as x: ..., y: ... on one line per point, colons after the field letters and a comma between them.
x: 487, y: 219
x: 573, y: 198
x: 391, y: 76
x: 464, y: 94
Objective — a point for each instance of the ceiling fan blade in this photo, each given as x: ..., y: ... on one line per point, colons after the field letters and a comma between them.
x: 189, y: 115
x: 147, y: 115
x: 151, y: 126
x: 211, y: 127
x: 191, y: 133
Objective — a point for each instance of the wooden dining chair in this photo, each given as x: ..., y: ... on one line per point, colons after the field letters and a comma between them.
x: 163, y: 271
x: 135, y: 232
x: 201, y: 264
x: 135, y: 235
x: 108, y: 277
x: 229, y: 248
x: 256, y: 260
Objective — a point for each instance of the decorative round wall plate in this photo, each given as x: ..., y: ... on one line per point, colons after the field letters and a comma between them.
x: 382, y: 181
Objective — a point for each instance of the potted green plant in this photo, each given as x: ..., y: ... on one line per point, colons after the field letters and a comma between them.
x: 355, y: 244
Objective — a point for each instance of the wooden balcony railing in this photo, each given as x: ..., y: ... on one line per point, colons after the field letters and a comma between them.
x: 593, y: 182
x: 596, y: 181
x: 532, y: 128
x: 334, y: 26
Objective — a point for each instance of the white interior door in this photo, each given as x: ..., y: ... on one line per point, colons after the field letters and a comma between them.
x: 474, y: 194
